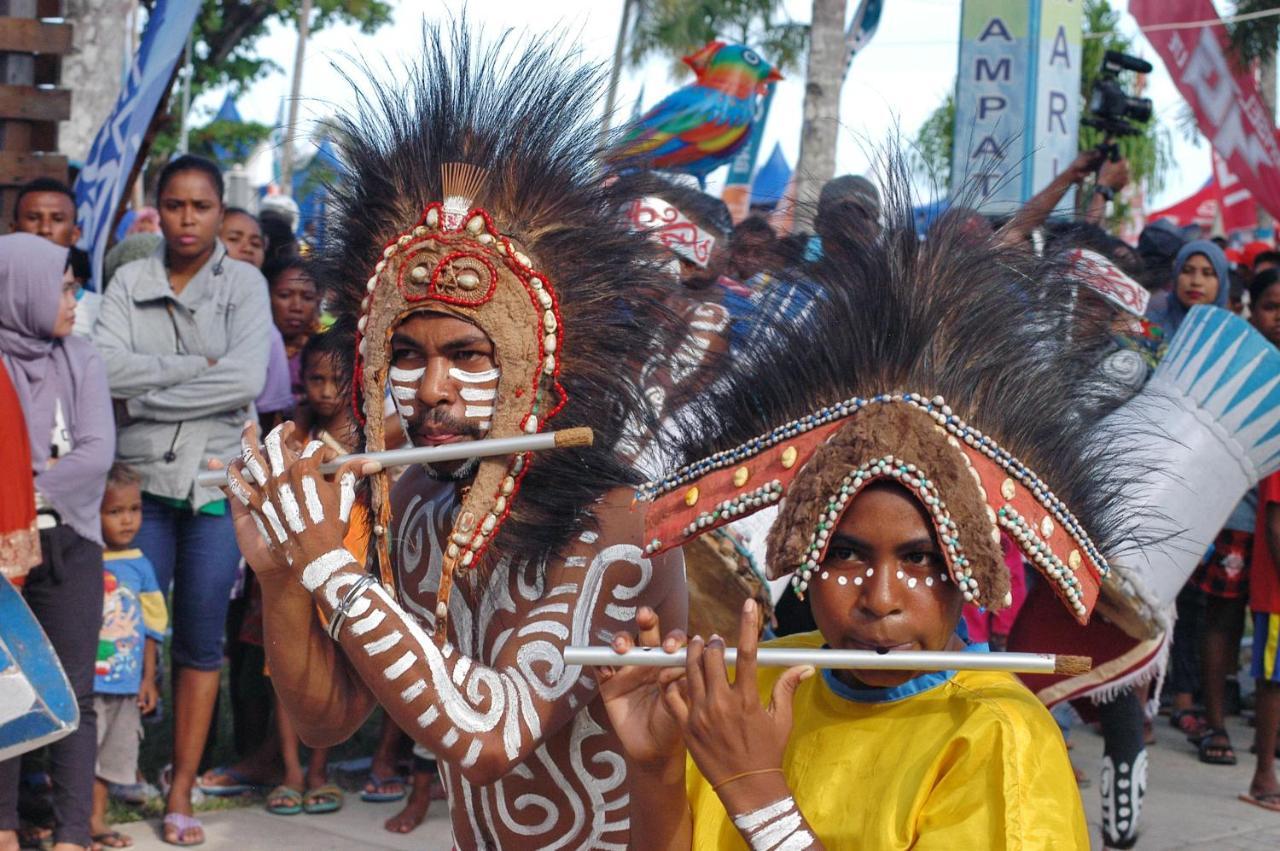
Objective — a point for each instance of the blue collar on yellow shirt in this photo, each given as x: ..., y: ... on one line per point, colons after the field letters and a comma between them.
x: 911, y: 687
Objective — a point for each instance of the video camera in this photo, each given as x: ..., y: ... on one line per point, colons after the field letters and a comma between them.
x: 1112, y: 110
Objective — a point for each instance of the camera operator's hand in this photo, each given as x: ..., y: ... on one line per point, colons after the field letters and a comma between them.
x: 1084, y: 165
x: 1114, y: 175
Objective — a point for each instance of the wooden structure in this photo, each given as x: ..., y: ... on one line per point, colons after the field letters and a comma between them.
x: 31, y: 102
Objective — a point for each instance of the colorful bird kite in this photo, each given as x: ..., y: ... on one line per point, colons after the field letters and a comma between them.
x: 701, y: 126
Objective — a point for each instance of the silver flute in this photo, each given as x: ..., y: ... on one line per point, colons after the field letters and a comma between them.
x: 786, y: 657
x: 562, y: 439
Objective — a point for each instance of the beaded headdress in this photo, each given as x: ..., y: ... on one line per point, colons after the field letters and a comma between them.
x: 956, y: 368
x: 471, y: 191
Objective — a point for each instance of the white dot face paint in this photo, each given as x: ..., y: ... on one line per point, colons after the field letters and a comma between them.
x: 842, y: 580
x: 474, y: 377
x: 825, y: 575
x: 911, y: 583
x: 928, y: 581
x: 857, y: 580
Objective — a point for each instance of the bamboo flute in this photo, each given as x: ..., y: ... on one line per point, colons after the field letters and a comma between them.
x: 785, y: 657
x: 435, y: 454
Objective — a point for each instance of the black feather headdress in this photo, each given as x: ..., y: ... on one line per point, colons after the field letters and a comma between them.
x: 972, y: 362
x: 508, y: 131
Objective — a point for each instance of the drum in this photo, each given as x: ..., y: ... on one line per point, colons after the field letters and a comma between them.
x: 722, y: 576
x: 37, y: 705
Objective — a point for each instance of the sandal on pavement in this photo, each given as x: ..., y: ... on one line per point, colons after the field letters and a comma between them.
x: 181, y: 825
x: 1267, y: 800
x: 239, y: 785
x: 111, y: 839
x: 373, y: 789
x: 284, y: 801
x: 1215, y: 748
x: 1191, y: 723
x: 322, y: 799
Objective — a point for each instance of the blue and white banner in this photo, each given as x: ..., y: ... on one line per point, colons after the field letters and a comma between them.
x: 103, y: 180
x: 862, y: 26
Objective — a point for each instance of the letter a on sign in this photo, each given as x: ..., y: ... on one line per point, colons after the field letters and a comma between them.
x: 995, y: 27
x: 1060, y: 49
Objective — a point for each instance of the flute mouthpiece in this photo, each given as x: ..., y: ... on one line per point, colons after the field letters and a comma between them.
x: 1072, y: 666
x: 569, y: 437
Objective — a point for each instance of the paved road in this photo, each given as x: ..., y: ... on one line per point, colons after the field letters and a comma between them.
x: 1189, y: 806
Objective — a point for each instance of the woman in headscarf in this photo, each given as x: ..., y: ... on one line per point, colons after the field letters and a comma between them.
x: 61, y: 385
x: 1200, y: 276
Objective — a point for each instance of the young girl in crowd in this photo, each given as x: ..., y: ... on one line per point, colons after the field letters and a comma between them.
x: 61, y: 386
x: 184, y: 333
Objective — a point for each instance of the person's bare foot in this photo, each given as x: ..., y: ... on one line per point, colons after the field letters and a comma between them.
x: 415, y: 807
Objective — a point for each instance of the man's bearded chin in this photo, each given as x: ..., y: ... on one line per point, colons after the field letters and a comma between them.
x: 440, y: 419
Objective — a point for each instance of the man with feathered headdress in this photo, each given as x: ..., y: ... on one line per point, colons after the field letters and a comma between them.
x: 492, y: 287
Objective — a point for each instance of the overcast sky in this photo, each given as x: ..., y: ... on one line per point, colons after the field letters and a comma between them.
x: 895, y: 82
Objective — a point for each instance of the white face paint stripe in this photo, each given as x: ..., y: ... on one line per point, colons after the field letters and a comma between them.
x: 312, y: 448
x: 289, y: 507
x: 413, y: 691
x: 406, y: 376
x: 324, y: 566
x: 405, y: 411
x: 269, y: 511
x: 315, y: 509
x: 428, y: 718
x: 484, y: 424
x: 383, y: 644
x: 474, y: 394
x: 347, y: 495
x: 474, y: 377
x: 479, y: 410
x: 275, y: 455
x: 399, y: 666
x: 238, y: 491
x: 404, y: 394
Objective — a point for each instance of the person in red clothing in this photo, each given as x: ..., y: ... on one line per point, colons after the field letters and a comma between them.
x: 1264, y: 593
x: 19, y: 539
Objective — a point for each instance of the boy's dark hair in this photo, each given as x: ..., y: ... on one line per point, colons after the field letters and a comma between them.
x: 190, y: 162
x: 282, y: 244
x: 337, y: 343
x: 1272, y: 257
x: 1262, y: 282
x: 277, y: 266
x: 42, y: 184
x: 122, y: 476
x: 1235, y: 292
x: 81, y: 266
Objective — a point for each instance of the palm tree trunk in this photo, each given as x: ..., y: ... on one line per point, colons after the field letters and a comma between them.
x: 823, y: 77
x: 611, y: 96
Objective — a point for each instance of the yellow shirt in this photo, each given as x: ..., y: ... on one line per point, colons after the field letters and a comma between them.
x: 969, y: 760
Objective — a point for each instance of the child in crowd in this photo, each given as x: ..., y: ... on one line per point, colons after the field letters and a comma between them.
x: 1264, y: 582
x: 134, y: 620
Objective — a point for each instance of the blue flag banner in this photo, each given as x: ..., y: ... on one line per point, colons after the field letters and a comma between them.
x: 106, y: 172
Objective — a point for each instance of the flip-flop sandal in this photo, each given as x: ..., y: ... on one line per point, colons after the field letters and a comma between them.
x: 112, y: 839
x: 1216, y: 754
x: 240, y: 785
x: 322, y: 799
x: 1191, y: 723
x: 1269, y: 801
x: 181, y: 824
x: 284, y: 801
x: 376, y: 797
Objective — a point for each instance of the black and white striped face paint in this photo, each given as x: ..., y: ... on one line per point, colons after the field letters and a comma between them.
x: 479, y: 392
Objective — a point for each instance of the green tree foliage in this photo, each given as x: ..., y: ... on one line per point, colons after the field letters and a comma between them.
x: 1148, y: 152
x: 1255, y: 39
x: 225, y: 54
x: 677, y: 28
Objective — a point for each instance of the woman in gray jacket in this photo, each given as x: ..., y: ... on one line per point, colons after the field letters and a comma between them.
x: 185, y: 335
